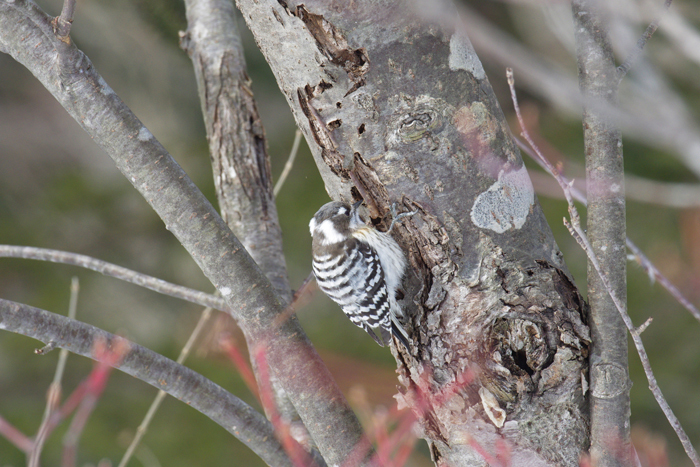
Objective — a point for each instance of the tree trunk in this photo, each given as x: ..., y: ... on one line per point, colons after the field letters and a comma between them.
x: 397, y: 109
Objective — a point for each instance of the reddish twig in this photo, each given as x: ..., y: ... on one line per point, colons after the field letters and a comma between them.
x: 15, y: 437
x: 503, y: 452
x: 405, y: 450
x: 579, y: 235
x: 490, y: 460
x: 299, y: 457
x: 53, y: 395
x: 394, y: 447
x: 228, y: 345
x: 388, y: 444
x: 107, y: 356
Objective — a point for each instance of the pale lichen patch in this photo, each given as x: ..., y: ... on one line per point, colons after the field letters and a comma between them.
x: 506, y: 204
x: 463, y: 56
x: 144, y: 134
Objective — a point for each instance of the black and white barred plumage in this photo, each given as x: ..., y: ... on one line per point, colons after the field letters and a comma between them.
x: 359, y: 268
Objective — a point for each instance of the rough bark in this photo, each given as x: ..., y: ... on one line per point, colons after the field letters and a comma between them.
x: 27, y: 34
x: 397, y: 108
x: 238, y: 149
x: 236, y: 136
x: 610, y: 382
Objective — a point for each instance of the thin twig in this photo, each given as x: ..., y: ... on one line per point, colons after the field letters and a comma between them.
x: 107, y: 356
x: 63, y: 23
x: 577, y: 232
x: 53, y: 396
x: 143, y: 427
x: 580, y: 236
x: 646, y: 264
x: 118, y: 272
x: 289, y: 164
x: 639, y: 189
x: 15, y: 437
x: 634, y: 55
x: 229, y: 346
x: 655, y: 274
x: 46, y: 349
x: 299, y: 457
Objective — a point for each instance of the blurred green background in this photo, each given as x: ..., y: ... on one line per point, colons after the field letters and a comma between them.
x: 59, y: 190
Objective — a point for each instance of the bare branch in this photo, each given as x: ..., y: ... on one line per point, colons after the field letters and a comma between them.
x: 290, y: 162
x: 578, y: 233
x: 634, y: 55
x: 238, y: 148
x: 118, y: 272
x: 54, y: 392
x: 63, y: 23
x: 235, y: 416
x: 606, y: 223
x: 237, y: 143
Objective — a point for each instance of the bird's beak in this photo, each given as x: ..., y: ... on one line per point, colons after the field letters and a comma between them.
x: 356, y: 205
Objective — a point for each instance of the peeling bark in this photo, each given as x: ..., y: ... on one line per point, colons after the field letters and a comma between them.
x: 499, y: 329
x: 238, y: 150
x: 236, y: 137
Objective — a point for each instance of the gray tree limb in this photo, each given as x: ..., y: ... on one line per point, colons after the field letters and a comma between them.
x: 236, y: 136
x: 238, y: 149
x: 26, y: 34
x: 118, y: 272
x: 610, y: 382
x: 396, y: 108
x: 234, y: 415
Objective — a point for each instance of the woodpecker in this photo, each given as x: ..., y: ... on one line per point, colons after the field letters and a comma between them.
x: 359, y: 268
